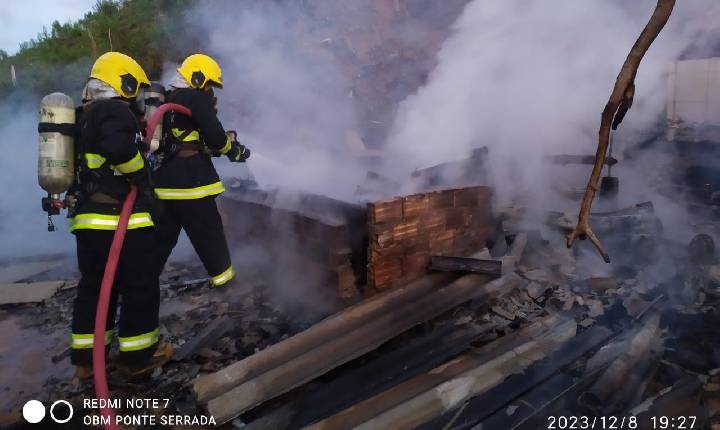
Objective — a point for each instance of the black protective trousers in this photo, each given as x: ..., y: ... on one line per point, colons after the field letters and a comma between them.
x: 202, y: 223
x: 136, y: 285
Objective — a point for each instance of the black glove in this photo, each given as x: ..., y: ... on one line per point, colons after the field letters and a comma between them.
x: 238, y: 153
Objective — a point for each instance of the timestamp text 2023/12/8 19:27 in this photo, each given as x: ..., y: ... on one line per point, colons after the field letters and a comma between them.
x: 620, y: 422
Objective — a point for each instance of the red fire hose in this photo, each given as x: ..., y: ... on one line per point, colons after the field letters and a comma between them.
x: 101, y: 386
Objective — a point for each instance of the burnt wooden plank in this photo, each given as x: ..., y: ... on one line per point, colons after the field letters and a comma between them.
x: 365, y: 338
x: 212, y: 385
x: 483, y: 406
x: 205, y: 338
x: 390, y: 369
x: 527, y: 405
x: 414, y: 406
x: 466, y: 265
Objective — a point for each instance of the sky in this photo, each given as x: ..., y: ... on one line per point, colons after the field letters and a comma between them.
x: 21, y: 21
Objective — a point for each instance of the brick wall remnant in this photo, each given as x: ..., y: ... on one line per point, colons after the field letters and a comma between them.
x: 405, y: 231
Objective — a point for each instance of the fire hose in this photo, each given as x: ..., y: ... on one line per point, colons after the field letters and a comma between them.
x: 99, y: 374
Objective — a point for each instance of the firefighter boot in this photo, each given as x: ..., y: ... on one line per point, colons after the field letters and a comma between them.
x: 83, y: 373
x: 162, y: 355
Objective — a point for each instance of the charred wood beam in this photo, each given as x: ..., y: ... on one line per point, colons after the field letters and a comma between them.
x: 336, y: 351
x: 492, y: 401
x: 681, y: 399
x: 565, y: 159
x: 206, y: 338
x: 560, y: 396
x: 562, y: 391
x: 368, y: 409
x: 389, y: 369
x: 602, y: 395
x: 640, y: 208
x: 465, y: 265
x: 208, y: 386
x: 530, y: 404
x: 468, y: 169
x: 695, y: 358
x: 639, y: 222
x: 452, y: 393
x: 698, y: 326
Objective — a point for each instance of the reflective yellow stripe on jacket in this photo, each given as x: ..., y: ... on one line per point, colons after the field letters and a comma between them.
x: 136, y: 163
x: 92, y: 221
x: 191, y: 137
x: 190, y: 193
x: 95, y: 161
x: 227, y: 147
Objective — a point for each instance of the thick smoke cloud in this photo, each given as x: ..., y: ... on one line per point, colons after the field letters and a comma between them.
x: 284, y: 94
x: 531, y: 78
x: 524, y: 78
x: 23, y: 224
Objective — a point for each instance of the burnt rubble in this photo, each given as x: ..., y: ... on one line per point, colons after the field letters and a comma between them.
x: 451, y: 313
x: 557, y: 339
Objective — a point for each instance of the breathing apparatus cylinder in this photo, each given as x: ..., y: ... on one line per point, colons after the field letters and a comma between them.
x: 57, y: 148
x: 154, y: 97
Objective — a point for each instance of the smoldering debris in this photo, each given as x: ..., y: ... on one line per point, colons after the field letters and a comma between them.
x: 629, y: 320
x: 631, y: 325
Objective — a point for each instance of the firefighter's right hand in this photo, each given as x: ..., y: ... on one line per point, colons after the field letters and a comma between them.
x: 238, y: 153
x: 70, y: 202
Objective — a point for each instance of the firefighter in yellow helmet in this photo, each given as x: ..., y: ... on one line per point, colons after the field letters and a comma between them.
x: 186, y: 181
x: 108, y: 161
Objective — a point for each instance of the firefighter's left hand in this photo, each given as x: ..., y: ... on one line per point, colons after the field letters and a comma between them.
x: 238, y: 153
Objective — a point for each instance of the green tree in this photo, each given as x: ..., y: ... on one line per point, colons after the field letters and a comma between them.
x: 58, y: 59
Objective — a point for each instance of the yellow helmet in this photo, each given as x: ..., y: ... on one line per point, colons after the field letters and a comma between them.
x: 199, y: 70
x: 121, y: 72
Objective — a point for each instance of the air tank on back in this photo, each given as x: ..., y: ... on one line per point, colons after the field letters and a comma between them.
x: 57, y: 149
x: 154, y: 97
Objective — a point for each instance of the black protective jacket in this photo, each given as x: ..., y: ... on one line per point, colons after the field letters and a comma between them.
x: 108, y: 160
x: 180, y: 178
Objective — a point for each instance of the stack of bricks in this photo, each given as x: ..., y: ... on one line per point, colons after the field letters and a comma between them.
x: 406, y: 231
x: 314, y: 237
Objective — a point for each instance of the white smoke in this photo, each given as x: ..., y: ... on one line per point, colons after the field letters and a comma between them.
x: 284, y: 94
x: 23, y: 224
x: 529, y: 78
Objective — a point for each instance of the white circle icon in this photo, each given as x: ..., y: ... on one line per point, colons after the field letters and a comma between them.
x: 33, y: 411
x: 61, y: 420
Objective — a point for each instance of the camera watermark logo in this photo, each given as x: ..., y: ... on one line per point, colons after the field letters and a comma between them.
x: 61, y: 411
x: 33, y: 411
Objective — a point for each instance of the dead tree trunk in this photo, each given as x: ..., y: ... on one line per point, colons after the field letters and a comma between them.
x: 620, y: 102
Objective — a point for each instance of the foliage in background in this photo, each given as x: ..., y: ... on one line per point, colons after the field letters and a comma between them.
x: 151, y: 31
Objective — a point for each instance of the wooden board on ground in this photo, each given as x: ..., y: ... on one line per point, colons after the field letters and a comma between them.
x: 18, y: 271
x: 212, y: 385
x: 205, y: 338
x: 363, y: 339
x: 28, y: 293
x: 396, y: 396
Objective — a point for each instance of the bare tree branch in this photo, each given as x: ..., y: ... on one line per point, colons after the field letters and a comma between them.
x: 620, y: 102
